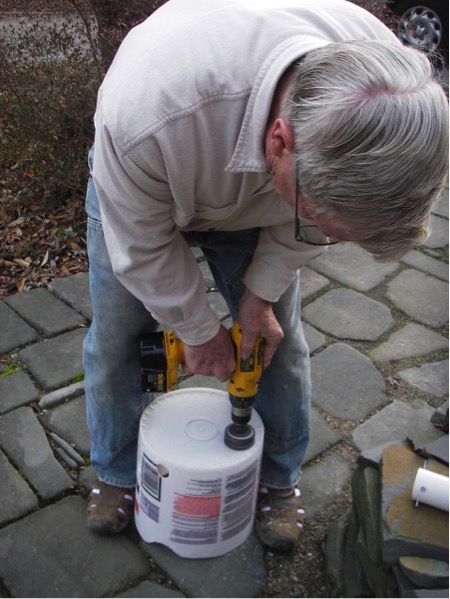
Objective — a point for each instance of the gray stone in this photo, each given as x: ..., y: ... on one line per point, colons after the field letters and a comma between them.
x: 69, y: 422
x: 311, y: 282
x: 204, y: 382
x: 408, y: 290
x: 345, y: 383
x: 50, y: 400
x: 411, y: 341
x: 322, y: 483
x: 207, y: 275
x: 427, y: 264
x: 379, y: 576
x: 67, y: 449
x: 14, y: 331
x: 16, y: 497
x: 398, y: 420
x: 355, y: 581
x: 408, y: 530
x: 239, y: 573
x: 64, y: 557
x: 55, y: 362
x: 441, y: 209
x: 88, y: 477
x: 350, y: 265
x: 371, y: 457
x: 218, y: 304
x: 16, y: 390
x: 150, y: 589
x: 24, y: 440
x: 45, y: 312
x: 430, y: 378
x: 74, y: 290
x: 429, y: 593
x: 439, y: 449
x: 366, y: 488
x: 425, y: 573
x: 314, y: 339
x: 334, y: 549
x: 439, y: 233
x: 347, y: 314
x: 323, y: 436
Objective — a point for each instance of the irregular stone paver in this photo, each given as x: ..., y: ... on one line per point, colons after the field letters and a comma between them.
x: 24, y: 440
x: 239, y: 573
x: 323, y: 436
x: 424, y: 573
x: 408, y: 291
x: 427, y: 264
x: 442, y: 206
x: 431, y: 378
x: 55, y: 362
x: 218, y: 304
x: 16, y: 390
x: 75, y: 292
x: 150, y: 589
x: 345, y: 383
x: 16, y: 497
x: 347, y: 314
x: 351, y: 265
x: 314, y: 338
x: 64, y: 558
x: 411, y: 341
x: 14, y: 332
x: 311, y: 282
x: 439, y: 233
x: 69, y: 422
x: 398, y: 420
x: 204, y: 382
x: 206, y: 274
x: 45, y: 312
x: 50, y: 400
x: 323, y: 483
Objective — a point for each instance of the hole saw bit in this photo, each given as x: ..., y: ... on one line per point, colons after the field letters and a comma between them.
x: 161, y: 355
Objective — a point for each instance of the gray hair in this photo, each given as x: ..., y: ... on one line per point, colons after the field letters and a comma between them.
x: 371, y: 129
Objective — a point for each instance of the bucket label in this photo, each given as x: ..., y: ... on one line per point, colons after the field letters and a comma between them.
x: 212, y: 510
x: 238, y: 500
x: 149, y: 508
x: 151, y: 481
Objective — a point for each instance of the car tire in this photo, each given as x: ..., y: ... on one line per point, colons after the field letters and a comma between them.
x: 423, y: 23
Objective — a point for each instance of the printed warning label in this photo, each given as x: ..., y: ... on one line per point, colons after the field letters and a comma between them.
x: 195, y: 506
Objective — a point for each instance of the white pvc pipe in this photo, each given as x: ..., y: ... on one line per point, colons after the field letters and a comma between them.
x: 431, y: 488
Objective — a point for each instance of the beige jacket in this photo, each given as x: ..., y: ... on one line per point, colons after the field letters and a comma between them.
x: 180, y: 122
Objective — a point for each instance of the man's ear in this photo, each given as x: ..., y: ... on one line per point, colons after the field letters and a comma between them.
x: 281, y: 138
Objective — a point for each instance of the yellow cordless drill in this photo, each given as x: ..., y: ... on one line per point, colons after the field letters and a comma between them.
x: 161, y: 355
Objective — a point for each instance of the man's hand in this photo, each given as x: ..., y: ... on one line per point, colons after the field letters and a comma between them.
x: 213, y: 358
x: 256, y: 318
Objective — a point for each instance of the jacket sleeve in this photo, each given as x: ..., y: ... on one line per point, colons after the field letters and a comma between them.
x: 277, y: 259
x: 148, y: 253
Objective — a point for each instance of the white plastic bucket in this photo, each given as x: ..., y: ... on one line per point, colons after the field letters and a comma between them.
x: 194, y: 494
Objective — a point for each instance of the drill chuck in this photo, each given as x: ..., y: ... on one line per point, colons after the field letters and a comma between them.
x: 242, y: 389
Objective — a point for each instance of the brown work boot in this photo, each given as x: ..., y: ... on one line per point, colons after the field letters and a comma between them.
x: 279, y: 517
x: 110, y: 509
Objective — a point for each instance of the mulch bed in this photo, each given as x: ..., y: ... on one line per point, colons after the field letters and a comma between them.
x: 37, y: 247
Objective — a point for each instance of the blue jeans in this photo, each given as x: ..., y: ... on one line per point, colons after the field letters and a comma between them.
x: 112, y: 363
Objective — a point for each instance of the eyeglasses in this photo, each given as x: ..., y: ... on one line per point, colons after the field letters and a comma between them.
x: 301, y: 231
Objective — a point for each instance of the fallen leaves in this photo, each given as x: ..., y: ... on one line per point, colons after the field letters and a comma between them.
x: 38, y: 247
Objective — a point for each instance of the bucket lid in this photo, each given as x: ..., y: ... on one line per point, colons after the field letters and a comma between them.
x: 186, y: 427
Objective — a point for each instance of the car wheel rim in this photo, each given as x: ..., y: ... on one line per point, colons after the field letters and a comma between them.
x: 420, y: 27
